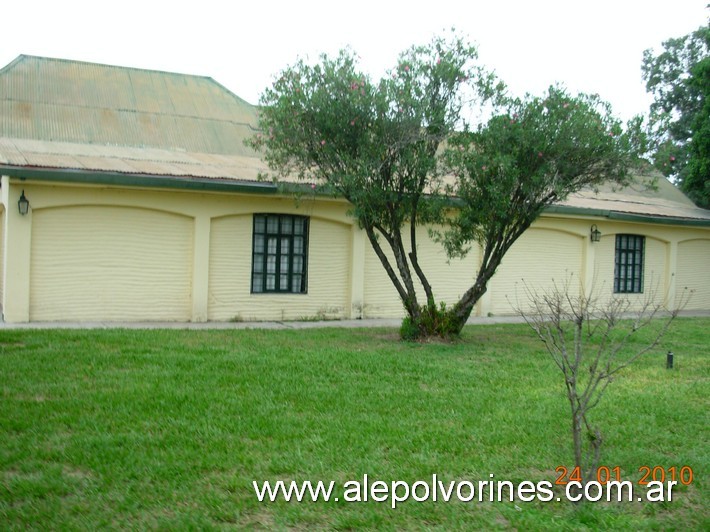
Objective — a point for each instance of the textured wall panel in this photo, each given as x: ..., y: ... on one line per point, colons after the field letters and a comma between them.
x: 2, y: 253
x: 538, y: 259
x: 230, y: 274
x: 655, y: 269
x: 449, y: 279
x: 694, y: 273
x: 654, y: 272
x: 110, y: 263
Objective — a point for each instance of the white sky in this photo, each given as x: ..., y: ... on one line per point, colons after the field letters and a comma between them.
x: 593, y: 46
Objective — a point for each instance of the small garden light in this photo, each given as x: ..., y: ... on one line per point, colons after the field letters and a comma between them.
x: 23, y: 204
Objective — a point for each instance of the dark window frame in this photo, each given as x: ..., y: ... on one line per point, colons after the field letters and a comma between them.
x: 279, y: 260
x: 629, y: 258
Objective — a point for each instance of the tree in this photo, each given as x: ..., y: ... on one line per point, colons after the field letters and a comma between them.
x: 534, y: 154
x: 680, y: 115
x: 591, y: 340
x: 697, y: 177
x: 400, y: 151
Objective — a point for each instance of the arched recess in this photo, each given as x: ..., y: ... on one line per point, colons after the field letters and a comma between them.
x: 449, y: 278
x: 655, y: 270
x: 539, y: 258
x: 693, y: 274
x: 2, y: 252
x: 110, y: 263
x: 329, y: 260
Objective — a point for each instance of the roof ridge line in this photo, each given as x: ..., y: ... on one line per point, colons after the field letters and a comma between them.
x: 23, y: 57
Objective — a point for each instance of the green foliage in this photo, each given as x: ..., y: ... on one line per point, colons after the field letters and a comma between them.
x: 409, y: 330
x: 431, y: 321
x: 696, y: 182
x: 401, y: 153
x: 374, y: 143
x: 538, y: 150
x: 678, y: 80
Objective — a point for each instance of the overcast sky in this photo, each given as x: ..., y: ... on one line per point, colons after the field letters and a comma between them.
x: 593, y: 46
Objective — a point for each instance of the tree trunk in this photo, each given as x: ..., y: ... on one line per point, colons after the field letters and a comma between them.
x: 578, y: 443
x: 410, y: 304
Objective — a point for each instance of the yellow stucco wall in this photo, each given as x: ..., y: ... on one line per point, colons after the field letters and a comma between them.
x: 105, y: 253
x: 2, y: 250
x: 694, y: 274
x: 230, y: 294
x: 656, y: 281
x: 110, y: 263
x: 87, y: 252
x: 539, y: 258
x: 17, y: 231
x: 449, y: 279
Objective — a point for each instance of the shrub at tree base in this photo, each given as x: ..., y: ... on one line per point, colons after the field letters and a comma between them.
x: 432, y: 322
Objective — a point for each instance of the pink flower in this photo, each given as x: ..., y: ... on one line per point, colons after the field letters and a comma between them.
x: 313, y: 186
x: 672, y: 158
x: 484, y: 167
x: 322, y: 142
x: 406, y: 68
x: 352, y: 122
x: 539, y: 154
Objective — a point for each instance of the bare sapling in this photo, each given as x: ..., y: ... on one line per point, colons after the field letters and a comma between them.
x: 591, y: 339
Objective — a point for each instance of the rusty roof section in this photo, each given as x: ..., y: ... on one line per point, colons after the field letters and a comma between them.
x: 89, y: 119
x: 38, y: 154
x: 658, y: 199
x: 70, y: 101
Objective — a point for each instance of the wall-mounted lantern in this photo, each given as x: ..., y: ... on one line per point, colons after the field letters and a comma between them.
x: 23, y: 204
x: 595, y: 234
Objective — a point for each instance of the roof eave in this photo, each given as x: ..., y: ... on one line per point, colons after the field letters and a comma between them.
x: 138, y: 180
x: 626, y: 216
x: 268, y: 187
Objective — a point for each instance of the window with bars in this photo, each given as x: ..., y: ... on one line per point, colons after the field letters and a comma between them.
x: 279, y: 253
x: 628, y: 266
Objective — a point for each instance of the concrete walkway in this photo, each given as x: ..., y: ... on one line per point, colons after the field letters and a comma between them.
x: 262, y: 324
x: 346, y: 324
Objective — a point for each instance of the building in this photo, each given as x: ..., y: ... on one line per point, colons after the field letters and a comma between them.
x: 142, y: 203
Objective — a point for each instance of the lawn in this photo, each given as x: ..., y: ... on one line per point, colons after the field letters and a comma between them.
x: 167, y: 429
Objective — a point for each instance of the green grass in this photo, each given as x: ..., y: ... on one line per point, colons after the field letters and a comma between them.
x: 168, y: 429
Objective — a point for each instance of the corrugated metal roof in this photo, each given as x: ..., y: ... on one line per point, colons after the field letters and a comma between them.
x: 70, y: 101
x: 66, y: 115
x: 663, y: 200
x: 126, y: 159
